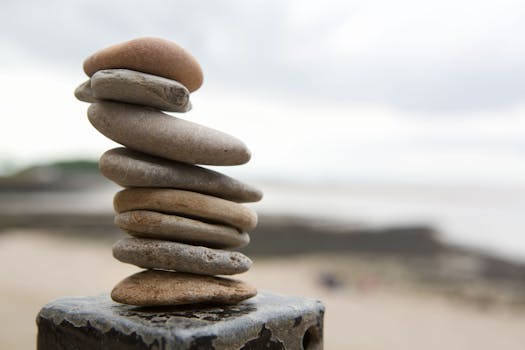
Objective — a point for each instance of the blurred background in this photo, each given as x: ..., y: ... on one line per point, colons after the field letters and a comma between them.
x: 388, y: 137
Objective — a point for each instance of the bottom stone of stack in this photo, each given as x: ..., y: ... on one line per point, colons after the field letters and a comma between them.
x: 267, y: 321
x: 161, y: 288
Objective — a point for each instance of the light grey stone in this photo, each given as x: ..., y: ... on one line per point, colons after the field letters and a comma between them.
x: 156, y: 133
x: 166, y: 255
x: 129, y: 168
x: 124, y: 85
x: 150, y: 224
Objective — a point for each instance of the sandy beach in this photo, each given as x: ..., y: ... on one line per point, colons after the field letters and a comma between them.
x: 364, y: 314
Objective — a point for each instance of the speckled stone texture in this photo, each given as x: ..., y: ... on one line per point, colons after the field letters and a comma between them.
x: 267, y: 321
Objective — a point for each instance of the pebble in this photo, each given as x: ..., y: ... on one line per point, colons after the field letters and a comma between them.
x: 138, y: 88
x: 158, y: 288
x: 150, y: 224
x: 156, y: 133
x: 83, y: 92
x: 129, y: 168
x: 188, y: 204
x: 149, y: 55
x: 166, y: 255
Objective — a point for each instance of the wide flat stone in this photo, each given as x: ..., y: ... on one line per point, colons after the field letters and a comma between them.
x: 161, y: 288
x: 123, y: 85
x: 130, y: 168
x: 166, y: 255
x: 150, y: 224
x: 159, y: 134
x: 149, y: 55
x: 187, y: 204
x: 266, y: 321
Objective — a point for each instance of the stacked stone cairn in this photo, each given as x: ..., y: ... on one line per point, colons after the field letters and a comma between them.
x: 182, y: 218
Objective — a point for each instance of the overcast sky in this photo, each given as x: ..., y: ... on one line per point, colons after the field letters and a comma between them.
x: 339, y: 90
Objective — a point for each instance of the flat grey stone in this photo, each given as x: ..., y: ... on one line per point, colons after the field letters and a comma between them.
x: 159, y: 134
x: 160, y: 288
x: 187, y: 204
x: 166, y: 255
x: 124, y: 85
x: 266, y: 321
x: 129, y: 168
x: 150, y: 224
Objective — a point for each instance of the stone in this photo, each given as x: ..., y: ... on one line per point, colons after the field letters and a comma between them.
x: 158, y: 288
x: 83, y: 92
x: 130, y: 168
x: 266, y: 321
x: 188, y: 204
x: 123, y: 85
x: 150, y: 224
x: 149, y: 55
x: 159, y: 134
x: 166, y: 255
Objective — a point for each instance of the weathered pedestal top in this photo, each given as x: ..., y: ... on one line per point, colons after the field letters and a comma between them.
x: 267, y: 321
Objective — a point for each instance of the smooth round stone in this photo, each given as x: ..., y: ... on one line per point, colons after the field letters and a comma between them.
x: 149, y: 55
x: 129, y: 168
x: 150, y: 224
x: 129, y: 86
x: 159, y: 134
x: 83, y: 92
x: 163, y: 288
x: 165, y: 255
x: 188, y: 204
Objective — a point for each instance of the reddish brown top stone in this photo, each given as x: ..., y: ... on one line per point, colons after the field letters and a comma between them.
x: 149, y: 55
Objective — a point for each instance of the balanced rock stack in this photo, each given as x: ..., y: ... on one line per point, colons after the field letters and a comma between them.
x: 181, y: 217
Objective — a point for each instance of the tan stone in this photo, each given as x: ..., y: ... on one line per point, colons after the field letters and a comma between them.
x: 150, y: 224
x: 149, y: 55
x: 187, y: 204
x: 166, y: 255
x: 158, y: 288
x: 159, y: 134
x: 130, y: 168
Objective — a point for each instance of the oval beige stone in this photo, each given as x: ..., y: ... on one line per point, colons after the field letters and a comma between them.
x: 166, y: 255
x: 124, y: 85
x: 149, y: 55
x: 187, y: 204
x: 150, y: 224
x: 156, y: 133
x: 130, y: 168
x: 162, y: 288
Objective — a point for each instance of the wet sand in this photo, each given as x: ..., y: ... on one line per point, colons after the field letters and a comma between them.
x: 364, y: 314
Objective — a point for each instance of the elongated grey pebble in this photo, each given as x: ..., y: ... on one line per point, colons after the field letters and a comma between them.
x: 129, y: 168
x: 166, y: 255
x: 156, y: 133
x: 124, y: 85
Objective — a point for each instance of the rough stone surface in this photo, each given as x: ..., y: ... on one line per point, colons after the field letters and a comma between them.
x: 187, y: 204
x: 150, y: 224
x: 124, y: 85
x: 266, y: 321
x: 83, y: 92
x: 165, y: 255
x: 156, y: 133
x: 159, y: 288
x: 129, y: 168
x: 149, y: 55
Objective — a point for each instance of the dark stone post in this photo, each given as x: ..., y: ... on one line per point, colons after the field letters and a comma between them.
x: 267, y: 321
